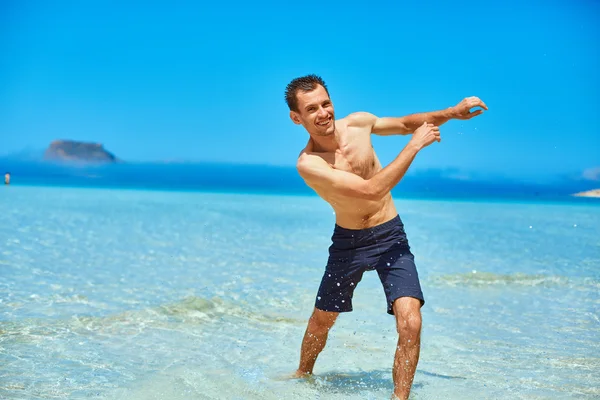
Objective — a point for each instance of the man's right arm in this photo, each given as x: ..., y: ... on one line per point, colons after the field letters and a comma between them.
x: 316, y: 172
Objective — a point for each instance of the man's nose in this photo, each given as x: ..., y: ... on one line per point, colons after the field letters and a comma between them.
x: 323, y: 112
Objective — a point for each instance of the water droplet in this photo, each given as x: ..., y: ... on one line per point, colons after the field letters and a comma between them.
x: 388, y: 264
x: 338, y: 284
x: 343, y: 301
x: 352, y: 284
x: 530, y: 226
x: 318, y: 297
x: 574, y: 225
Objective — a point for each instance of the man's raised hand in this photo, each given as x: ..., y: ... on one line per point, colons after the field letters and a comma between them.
x: 463, y: 109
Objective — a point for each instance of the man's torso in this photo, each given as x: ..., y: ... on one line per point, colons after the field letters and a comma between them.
x: 355, y: 154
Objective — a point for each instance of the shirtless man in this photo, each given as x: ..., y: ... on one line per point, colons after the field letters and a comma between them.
x: 340, y: 165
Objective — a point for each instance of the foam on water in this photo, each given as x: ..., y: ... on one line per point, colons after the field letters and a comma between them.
x: 139, y: 295
x: 475, y: 278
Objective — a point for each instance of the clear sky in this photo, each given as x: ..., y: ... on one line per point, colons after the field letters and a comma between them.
x: 197, y: 82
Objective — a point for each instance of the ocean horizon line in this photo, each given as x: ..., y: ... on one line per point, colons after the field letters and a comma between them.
x: 398, y: 195
x: 277, y: 180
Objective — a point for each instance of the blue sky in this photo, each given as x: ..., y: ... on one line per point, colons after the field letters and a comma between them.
x: 194, y: 82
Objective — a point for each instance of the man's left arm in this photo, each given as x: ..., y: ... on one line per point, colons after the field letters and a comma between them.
x: 408, y: 124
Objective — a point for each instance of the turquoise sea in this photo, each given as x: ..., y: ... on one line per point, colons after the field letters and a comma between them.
x: 114, y: 293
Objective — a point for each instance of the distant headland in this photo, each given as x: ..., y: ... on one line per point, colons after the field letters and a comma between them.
x: 589, y: 193
x: 79, y: 152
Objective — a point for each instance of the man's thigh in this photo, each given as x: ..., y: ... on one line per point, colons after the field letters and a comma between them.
x: 398, y: 274
x: 337, y: 286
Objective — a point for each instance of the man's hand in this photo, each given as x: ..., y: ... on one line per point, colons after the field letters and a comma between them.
x: 425, y: 135
x: 463, y: 109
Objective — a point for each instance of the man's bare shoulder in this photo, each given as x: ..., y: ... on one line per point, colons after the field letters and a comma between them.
x: 308, y: 159
x: 310, y: 165
x: 360, y: 119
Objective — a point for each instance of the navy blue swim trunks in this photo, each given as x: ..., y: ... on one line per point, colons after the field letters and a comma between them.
x: 383, y: 248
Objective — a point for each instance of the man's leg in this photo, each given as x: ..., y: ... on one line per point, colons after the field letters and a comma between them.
x: 314, y: 340
x: 407, y: 311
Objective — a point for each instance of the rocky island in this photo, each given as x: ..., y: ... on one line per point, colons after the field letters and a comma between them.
x: 589, y: 193
x: 79, y: 152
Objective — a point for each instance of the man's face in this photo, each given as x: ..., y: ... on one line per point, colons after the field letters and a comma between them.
x: 315, y: 112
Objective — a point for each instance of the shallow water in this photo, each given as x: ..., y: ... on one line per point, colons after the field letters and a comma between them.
x: 123, y: 294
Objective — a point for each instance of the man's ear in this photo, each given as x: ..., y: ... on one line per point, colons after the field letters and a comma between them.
x: 295, y: 117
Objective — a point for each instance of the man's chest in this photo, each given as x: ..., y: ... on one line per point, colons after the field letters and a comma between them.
x: 357, y: 157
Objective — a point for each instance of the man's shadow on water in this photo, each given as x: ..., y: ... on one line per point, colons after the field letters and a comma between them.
x: 353, y: 382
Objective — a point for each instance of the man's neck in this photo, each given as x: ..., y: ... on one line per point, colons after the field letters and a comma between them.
x: 324, y: 144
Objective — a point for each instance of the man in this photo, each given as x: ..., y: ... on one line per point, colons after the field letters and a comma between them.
x: 340, y: 165
x: 7, y: 178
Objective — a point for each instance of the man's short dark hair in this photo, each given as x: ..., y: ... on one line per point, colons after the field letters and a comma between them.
x: 306, y: 84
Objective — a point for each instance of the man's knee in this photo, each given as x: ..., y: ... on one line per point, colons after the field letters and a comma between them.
x: 408, y: 316
x: 321, y: 321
